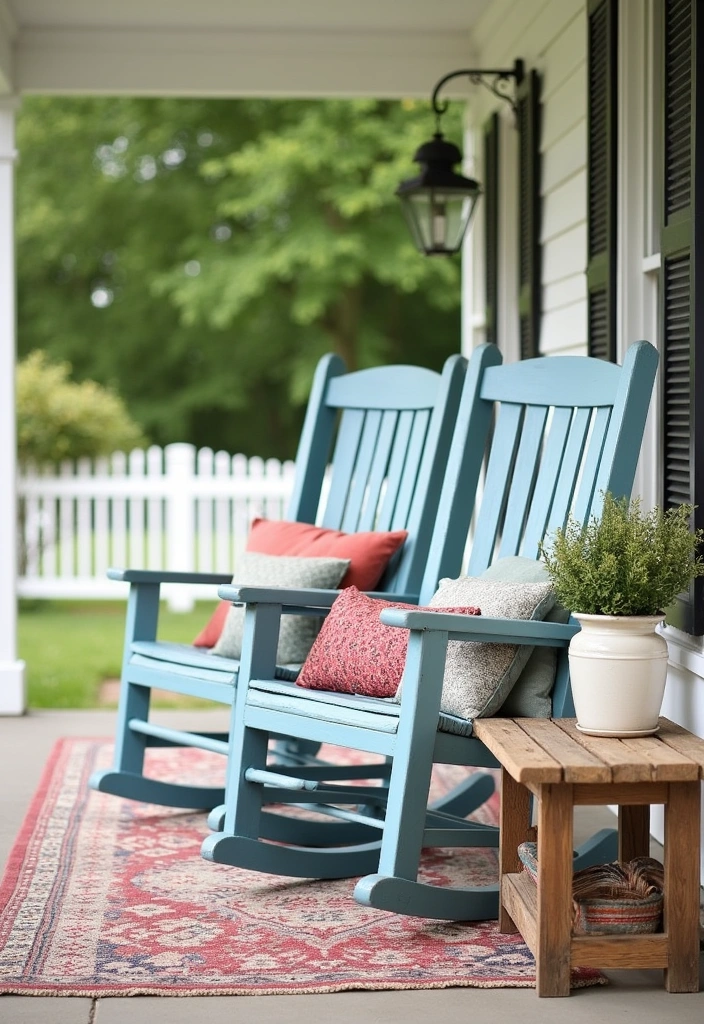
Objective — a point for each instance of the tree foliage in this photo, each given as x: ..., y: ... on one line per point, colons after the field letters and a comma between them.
x: 199, y: 256
x: 58, y: 418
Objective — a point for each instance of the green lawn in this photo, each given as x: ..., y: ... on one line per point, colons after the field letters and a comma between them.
x: 72, y: 647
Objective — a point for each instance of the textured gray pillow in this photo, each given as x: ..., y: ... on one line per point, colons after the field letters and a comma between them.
x: 531, y: 696
x: 479, y: 676
x: 297, y: 631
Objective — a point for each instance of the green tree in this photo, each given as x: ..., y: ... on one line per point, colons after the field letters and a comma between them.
x: 199, y: 256
x: 58, y: 418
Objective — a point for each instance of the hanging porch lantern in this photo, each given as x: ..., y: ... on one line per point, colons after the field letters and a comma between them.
x: 438, y: 204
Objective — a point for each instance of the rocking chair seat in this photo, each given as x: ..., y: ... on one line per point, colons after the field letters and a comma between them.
x: 380, y: 714
x: 182, y: 657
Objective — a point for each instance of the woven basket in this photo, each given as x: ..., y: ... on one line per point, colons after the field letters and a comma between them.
x: 611, y: 899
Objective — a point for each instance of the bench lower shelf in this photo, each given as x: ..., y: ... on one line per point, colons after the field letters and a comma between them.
x: 519, y: 896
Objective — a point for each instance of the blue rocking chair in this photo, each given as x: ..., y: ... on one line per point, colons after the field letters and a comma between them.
x: 389, y: 430
x: 560, y: 433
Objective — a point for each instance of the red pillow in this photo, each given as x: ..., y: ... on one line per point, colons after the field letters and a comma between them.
x: 210, y: 633
x: 355, y: 652
x: 369, y: 553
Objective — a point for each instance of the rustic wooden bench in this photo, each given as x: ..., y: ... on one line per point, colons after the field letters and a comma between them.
x: 563, y: 768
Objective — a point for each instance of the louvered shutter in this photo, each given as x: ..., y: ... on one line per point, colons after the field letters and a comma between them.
x: 601, y: 177
x: 491, y: 227
x: 529, y: 252
x: 682, y: 280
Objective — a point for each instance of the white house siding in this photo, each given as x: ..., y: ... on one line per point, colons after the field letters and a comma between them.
x: 550, y: 36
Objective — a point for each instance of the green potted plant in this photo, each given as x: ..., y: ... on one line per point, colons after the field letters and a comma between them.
x: 618, y: 574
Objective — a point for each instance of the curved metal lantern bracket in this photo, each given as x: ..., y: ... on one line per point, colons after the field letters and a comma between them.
x: 501, y: 82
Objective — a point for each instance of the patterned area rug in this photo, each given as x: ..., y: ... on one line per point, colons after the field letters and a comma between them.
x: 104, y: 897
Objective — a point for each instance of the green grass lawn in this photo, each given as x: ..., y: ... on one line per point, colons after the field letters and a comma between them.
x: 72, y: 647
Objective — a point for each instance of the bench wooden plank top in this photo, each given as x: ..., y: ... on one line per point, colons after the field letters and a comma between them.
x: 540, y: 750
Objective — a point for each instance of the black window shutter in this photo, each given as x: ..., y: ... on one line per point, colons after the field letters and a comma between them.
x: 529, y: 254
x: 682, y: 279
x: 491, y: 227
x: 601, y: 177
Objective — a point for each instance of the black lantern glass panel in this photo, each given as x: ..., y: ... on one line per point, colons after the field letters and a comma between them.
x: 439, y: 203
x: 438, y: 219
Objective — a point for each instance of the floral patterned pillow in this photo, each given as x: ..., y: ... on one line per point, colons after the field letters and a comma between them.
x: 355, y: 652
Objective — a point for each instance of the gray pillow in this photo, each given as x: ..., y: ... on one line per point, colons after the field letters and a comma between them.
x: 531, y: 696
x: 297, y: 631
x: 479, y: 676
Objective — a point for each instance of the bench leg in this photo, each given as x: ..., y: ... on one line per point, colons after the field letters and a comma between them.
x: 633, y: 831
x: 555, y: 837
x: 515, y: 823
x: 681, y: 906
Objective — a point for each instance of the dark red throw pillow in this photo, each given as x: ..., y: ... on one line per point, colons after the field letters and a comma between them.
x: 355, y: 652
x: 210, y: 633
x: 370, y: 553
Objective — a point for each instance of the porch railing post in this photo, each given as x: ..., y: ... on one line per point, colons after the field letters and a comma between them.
x: 180, y: 461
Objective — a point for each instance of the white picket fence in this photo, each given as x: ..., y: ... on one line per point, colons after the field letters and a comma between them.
x: 174, y: 508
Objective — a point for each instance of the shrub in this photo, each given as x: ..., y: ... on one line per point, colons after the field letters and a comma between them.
x: 626, y: 562
x: 58, y: 418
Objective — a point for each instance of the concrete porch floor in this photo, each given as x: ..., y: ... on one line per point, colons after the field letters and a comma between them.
x: 631, y: 996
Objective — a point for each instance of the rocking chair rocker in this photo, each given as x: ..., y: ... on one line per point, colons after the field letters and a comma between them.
x: 389, y: 430
x: 560, y: 433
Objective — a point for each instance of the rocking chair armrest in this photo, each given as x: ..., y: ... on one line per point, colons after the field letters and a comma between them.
x: 162, y: 576
x: 485, y: 630
x: 295, y: 599
x: 292, y: 599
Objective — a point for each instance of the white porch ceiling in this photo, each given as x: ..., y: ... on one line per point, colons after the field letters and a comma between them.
x: 231, y: 48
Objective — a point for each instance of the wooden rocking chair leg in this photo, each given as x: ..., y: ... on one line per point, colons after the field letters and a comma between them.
x: 127, y: 779
x: 155, y: 791
x: 395, y: 887
x: 241, y: 843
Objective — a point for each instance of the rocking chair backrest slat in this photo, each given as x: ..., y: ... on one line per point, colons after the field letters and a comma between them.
x: 504, y: 446
x: 349, y: 438
x: 385, y: 433
x: 558, y: 432
x: 374, y: 515
x: 582, y: 505
x: 524, y: 478
x: 402, y: 502
x: 359, y: 481
x: 569, y: 471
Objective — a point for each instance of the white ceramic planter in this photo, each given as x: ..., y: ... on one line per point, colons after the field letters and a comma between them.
x: 618, y: 669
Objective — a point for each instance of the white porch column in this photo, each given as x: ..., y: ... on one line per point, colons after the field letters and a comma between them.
x: 12, y: 684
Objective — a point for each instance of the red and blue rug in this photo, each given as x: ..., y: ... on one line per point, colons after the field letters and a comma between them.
x: 107, y: 897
